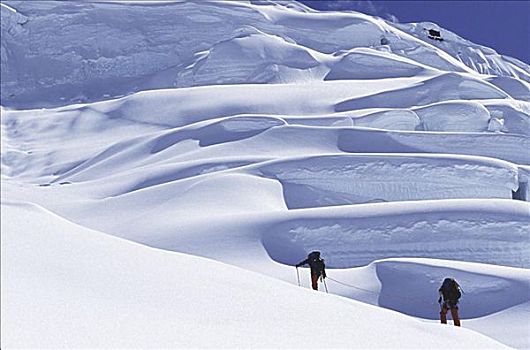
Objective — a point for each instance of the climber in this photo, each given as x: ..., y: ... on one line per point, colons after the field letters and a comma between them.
x: 317, y: 267
x: 450, y: 293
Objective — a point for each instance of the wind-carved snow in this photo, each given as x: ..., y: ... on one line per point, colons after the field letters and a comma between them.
x: 449, y: 86
x: 454, y: 116
x: 480, y: 233
x: 157, y: 47
x: 364, y: 63
x: 393, y: 119
x: 253, y: 58
x: 134, y: 302
x: 480, y: 58
x: 334, y: 180
x: 517, y: 89
x: 473, y: 240
x: 251, y: 133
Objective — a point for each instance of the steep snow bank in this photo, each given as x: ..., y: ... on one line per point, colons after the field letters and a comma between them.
x: 83, y: 52
x: 512, y: 118
x: 488, y: 231
x: 494, y: 296
x: 480, y: 58
x: 351, y: 179
x: 371, y: 64
x: 253, y: 58
x: 449, y: 86
x: 454, y: 116
x: 496, y: 145
x: 517, y: 89
x: 336, y: 109
x: 99, y: 291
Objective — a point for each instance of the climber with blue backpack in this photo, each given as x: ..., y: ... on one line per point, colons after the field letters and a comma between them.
x: 317, y: 266
x: 450, y: 293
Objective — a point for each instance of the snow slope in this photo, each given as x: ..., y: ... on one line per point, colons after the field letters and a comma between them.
x: 250, y: 133
x: 127, y: 295
x: 182, y: 43
x: 480, y: 58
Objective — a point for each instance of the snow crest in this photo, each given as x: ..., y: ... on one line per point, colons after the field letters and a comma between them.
x: 139, y: 138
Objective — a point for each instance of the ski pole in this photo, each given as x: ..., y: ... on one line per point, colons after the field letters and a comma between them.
x: 325, y: 285
x: 297, y: 276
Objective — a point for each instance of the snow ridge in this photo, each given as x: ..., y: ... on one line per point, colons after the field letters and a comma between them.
x: 139, y: 138
x: 155, y: 46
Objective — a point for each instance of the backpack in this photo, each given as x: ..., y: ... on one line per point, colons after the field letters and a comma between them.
x: 315, y: 262
x: 450, y: 289
x: 313, y: 255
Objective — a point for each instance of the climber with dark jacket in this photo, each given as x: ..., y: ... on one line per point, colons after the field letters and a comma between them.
x: 317, y: 266
x: 450, y: 293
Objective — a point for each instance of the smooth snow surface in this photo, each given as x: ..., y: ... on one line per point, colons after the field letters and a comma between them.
x: 128, y: 295
x: 166, y: 164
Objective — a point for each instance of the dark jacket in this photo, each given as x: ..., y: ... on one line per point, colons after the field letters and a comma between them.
x: 316, y: 265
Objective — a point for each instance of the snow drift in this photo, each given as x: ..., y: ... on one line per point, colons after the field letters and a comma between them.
x: 131, y: 296
x: 250, y: 133
x: 158, y: 46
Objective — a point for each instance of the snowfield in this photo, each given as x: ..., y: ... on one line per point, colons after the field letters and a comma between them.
x: 164, y: 166
x: 128, y: 295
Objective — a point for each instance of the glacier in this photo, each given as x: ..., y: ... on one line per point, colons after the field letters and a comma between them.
x: 164, y: 164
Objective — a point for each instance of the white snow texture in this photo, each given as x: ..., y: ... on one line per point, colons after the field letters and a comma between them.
x: 165, y: 164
